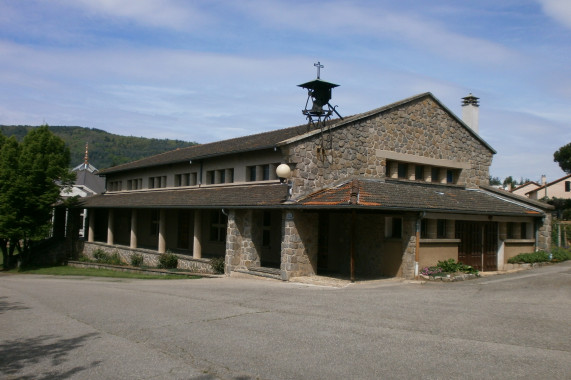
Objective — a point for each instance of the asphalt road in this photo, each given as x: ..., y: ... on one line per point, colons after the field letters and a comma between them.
x: 500, y: 327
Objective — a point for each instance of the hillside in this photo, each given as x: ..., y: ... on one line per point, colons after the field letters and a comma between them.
x: 105, y: 149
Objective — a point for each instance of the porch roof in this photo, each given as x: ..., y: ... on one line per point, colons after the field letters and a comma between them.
x: 256, y: 195
x: 399, y: 195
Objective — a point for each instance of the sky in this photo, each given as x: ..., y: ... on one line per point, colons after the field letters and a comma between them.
x: 210, y: 70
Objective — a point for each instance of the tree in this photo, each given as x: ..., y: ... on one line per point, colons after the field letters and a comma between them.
x: 30, y: 177
x: 563, y: 158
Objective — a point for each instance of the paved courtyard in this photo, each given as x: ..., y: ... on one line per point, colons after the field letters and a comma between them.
x: 506, y: 326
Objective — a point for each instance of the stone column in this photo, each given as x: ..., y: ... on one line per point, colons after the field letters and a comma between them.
x: 91, y: 231
x: 544, y: 238
x: 110, y: 227
x: 197, y: 239
x: 133, y: 243
x: 408, y: 245
x: 299, y: 244
x: 162, y: 231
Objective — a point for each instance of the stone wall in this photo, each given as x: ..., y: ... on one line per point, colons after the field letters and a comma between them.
x: 299, y: 244
x: 241, y: 238
x: 544, y: 234
x: 420, y: 128
x: 408, y: 245
x: 150, y: 258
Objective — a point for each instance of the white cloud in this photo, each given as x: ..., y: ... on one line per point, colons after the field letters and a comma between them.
x: 559, y: 10
x: 157, y: 13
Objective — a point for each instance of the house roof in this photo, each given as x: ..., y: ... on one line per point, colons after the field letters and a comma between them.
x: 235, y: 196
x: 267, y: 140
x: 402, y: 195
x: 528, y: 183
x: 382, y: 195
x: 550, y: 184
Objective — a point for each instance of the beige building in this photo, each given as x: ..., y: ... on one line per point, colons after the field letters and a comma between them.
x: 560, y: 188
x: 378, y: 194
x: 522, y: 190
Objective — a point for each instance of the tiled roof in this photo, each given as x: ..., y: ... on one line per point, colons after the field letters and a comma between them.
x: 259, y: 141
x: 550, y: 184
x: 257, y: 195
x: 266, y: 140
x: 416, y: 196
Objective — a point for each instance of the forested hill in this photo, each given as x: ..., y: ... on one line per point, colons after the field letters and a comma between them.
x: 105, y: 149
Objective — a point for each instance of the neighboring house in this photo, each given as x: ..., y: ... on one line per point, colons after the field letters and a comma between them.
x: 525, y: 188
x: 87, y: 183
x: 560, y: 188
x: 382, y: 193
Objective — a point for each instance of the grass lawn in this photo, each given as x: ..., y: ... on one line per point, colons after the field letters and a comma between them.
x: 93, y: 272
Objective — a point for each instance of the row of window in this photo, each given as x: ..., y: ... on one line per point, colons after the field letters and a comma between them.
x: 220, y: 176
x: 417, y: 172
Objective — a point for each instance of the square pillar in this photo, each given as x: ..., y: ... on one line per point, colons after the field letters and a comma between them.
x: 110, y: 227
x: 197, y: 233
x: 133, y: 240
x: 91, y: 230
x: 162, y: 231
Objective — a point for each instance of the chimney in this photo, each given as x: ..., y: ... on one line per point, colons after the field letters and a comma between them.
x: 543, y: 180
x: 470, y: 112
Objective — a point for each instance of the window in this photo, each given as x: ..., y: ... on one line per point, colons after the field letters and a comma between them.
x: 435, y: 174
x: 441, y: 229
x: 151, y: 182
x: 251, y: 173
x: 449, y: 176
x: 523, y: 229
x: 393, y: 227
x: 424, y: 229
x: 210, y: 178
x: 402, y: 170
x: 222, y: 174
x: 419, y: 172
x: 265, y: 172
x: 230, y: 176
x: 177, y: 180
x: 218, y: 222
x: 567, y: 186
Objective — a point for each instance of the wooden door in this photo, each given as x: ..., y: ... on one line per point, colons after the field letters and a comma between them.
x: 478, y: 244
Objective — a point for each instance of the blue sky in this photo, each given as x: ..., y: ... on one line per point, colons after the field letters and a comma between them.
x: 209, y: 70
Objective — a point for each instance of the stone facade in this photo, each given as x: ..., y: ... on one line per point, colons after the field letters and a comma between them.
x: 241, y: 238
x: 150, y: 257
x: 299, y: 244
x: 421, y: 128
x: 544, y: 234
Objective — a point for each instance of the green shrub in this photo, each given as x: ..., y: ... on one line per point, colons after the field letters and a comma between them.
x: 168, y: 261
x: 530, y: 258
x: 217, y: 264
x: 102, y: 257
x: 560, y: 254
x: 450, y: 266
x: 136, y: 260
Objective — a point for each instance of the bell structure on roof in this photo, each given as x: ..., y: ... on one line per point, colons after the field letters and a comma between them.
x: 320, y: 110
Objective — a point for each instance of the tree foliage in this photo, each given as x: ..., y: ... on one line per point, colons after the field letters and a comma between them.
x: 105, y: 149
x: 31, y: 173
x: 563, y: 157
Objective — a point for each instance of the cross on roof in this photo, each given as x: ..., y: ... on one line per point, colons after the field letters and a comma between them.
x: 319, y: 67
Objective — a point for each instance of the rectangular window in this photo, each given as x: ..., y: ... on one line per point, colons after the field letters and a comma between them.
x: 419, y: 172
x: 441, y: 229
x: 251, y: 173
x: 218, y: 223
x: 435, y: 174
x: 230, y: 176
x: 402, y: 170
x: 129, y: 184
x: 424, y: 229
x: 210, y: 179
x: 523, y: 229
x: 222, y: 176
x: 510, y: 230
x: 177, y: 180
x: 164, y: 181
x: 567, y: 186
x: 266, y: 173
x: 449, y: 176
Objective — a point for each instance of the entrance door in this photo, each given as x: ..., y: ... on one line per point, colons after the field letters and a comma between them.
x: 323, y: 243
x: 478, y: 244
